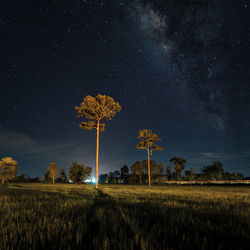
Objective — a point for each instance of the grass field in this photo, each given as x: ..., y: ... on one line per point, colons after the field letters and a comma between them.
x: 66, y: 216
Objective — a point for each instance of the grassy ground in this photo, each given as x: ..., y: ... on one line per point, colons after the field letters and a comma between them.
x: 65, y: 216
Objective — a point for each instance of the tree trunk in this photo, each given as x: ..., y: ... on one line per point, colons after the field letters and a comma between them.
x: 140, y: 178
x: 97, y: 154
x: 2, y: 180
x: 149, y: 179
x: 53, y: 180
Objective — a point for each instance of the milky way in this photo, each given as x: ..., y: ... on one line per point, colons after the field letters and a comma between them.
x: 204, y: 44
x: 178, y: 67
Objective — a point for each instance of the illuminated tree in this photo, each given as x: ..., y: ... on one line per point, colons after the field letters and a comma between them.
x: 147, y: 140
x: 79, y: 172
x: 97, y: 109
x: 8, y: 168
x: 52, y: 171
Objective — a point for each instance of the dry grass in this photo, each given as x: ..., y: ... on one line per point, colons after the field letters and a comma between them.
x: 66, y: 216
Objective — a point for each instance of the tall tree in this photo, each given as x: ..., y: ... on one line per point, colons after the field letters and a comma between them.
x: 179, y: 166
x: 8, y: 168
x: 147, y: 141
x: 97, y: 109
x: 79, y: 172
x: 137, y: 169
x: 52, y: 171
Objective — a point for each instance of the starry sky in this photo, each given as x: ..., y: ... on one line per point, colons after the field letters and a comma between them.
x: 177, y: 67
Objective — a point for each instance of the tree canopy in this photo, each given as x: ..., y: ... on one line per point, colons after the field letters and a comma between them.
x: 96, y: 109
x: 79, y: 172
x: 179, y: 166
x: 8, y: 168
x: 147, y: 141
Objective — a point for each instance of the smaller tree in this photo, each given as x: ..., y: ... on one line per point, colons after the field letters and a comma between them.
x: 62, y: 176
x: 103, y: 179
x: 190, y: 174
x: 179, y: 166
x: 52, y: 171
x: 168, y: 172
x: 114, y: 177
x: 214, y: 171
x: 124, y: 174
x: 79, y: 172
x: 147, y: 142
x: 155, y: 169
x: 8, y: 168
x: 138, y: 169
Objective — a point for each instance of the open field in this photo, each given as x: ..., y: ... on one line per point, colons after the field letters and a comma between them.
x: 66, y: 216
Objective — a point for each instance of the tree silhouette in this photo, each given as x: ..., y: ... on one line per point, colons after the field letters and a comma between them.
x: 179, y: 166
x: 124, y: 174
x: 214, y: 171
x: 147, y: 140
x: 62, y: 176
x: 138, y: 169
x: 155, y: 169
x: 96, y: 109
x: 168, y: 172
x: 190, y: 174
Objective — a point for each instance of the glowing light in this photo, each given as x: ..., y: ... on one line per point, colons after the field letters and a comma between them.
x: 92, y: 180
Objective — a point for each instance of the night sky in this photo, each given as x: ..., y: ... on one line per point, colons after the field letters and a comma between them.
x: 177, y: 67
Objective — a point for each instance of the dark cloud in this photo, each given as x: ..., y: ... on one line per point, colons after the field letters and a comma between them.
x: 18, y: 142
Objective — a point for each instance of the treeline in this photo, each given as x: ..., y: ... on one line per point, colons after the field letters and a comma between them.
x: 137, y: 173
x: 77, y: 173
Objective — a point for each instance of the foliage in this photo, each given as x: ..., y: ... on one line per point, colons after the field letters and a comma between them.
x: 168, y: 172
x: 8, y: 168
x: 155, y: 169
x: 52, y: 171
x: 63, y: 216
x: 190, y: 174
x: 214, y: 171
x: 147, y: 141
x: 96, y: 109
x: 179, y: 166
x: 62, y: 176
x: 124, y: 174
x: 138, y: 169
x: 103, y: 179
x: 79, y: 172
